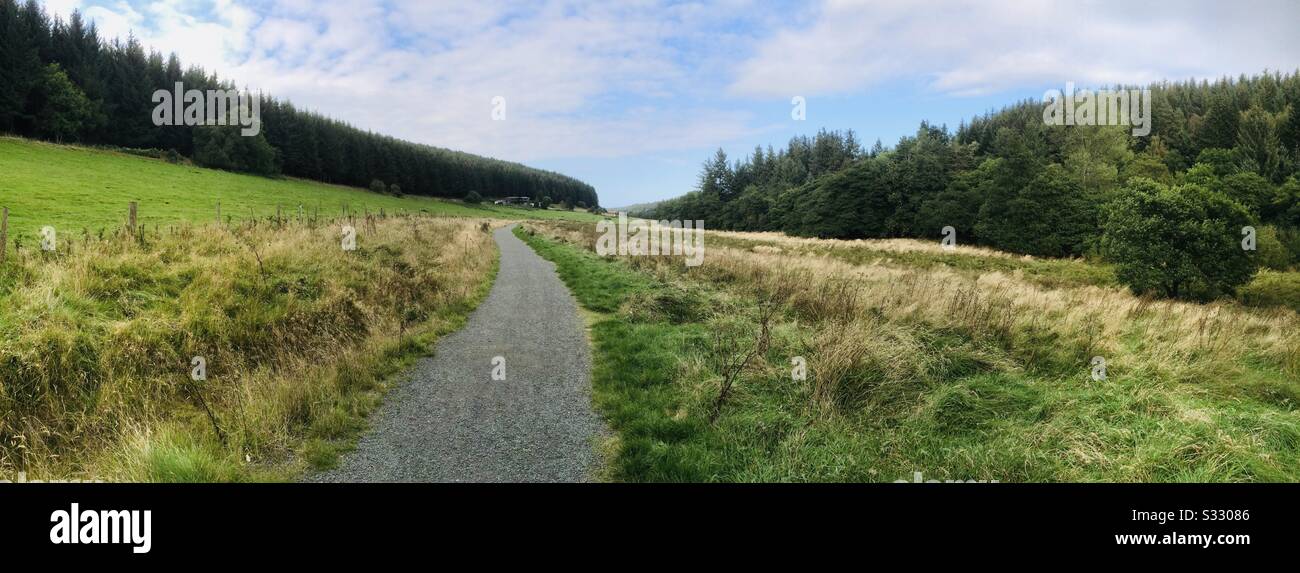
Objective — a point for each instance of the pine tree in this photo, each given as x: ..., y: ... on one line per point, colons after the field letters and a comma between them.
x: 19, y: 68
x: 1259, y: 141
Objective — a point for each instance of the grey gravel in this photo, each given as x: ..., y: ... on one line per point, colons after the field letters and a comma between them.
x: 451, y: 422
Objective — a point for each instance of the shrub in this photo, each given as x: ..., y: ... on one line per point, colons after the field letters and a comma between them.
x: 378, y: 186
x: 473, y: 198
x: 222, y: 147
x: 395, y: 189
x: 1290, y: 239
x: 1284, y: 209
x: 1269, y: 251
x: 1272, y: 289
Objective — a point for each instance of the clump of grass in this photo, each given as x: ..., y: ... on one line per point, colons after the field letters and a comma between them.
x: 673, y: 303
x: 171, y: 454
x: 298, y: 335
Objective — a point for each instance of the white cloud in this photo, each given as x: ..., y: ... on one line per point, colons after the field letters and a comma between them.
x: 61, y: 8
x: 577, y: 76
x: 589, y: 78
x: 115, y: 20
x: 966, y: 47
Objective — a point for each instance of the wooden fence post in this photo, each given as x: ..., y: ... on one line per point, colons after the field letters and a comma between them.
x: 131, y: 220
x: 4, y: 233
x: 218, y: 213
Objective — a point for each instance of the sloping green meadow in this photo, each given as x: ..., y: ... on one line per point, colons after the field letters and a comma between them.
x: 77, y: 189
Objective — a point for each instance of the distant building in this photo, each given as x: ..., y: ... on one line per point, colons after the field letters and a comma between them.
x: 512, y: 201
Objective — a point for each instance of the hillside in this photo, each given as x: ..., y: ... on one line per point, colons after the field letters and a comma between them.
x: 76, y: 188
x: 64, y: 82
x: 638, y: 208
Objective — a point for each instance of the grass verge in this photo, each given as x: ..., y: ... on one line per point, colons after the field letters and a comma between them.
x: 300, y: 339
x: 956, y: 374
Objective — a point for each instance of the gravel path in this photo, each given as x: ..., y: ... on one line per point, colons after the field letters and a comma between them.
x: 451, y: 422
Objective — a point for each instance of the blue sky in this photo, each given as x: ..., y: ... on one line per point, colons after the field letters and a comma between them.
x: 633, y: 95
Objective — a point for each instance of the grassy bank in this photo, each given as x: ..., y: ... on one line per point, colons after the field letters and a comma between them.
x: 300, y: 339
x: 76, y: 189
x: 952, y: 370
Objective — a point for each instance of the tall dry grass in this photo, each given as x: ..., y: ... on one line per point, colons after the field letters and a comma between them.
x: 778, y: 242
x: 96, y: 341
x: 1180, y: 337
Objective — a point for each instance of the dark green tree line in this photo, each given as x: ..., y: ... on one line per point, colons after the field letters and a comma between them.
x: 61, y: 81
x: 1008, y: 181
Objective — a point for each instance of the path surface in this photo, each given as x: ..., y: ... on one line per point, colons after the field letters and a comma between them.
x: 452, y: 422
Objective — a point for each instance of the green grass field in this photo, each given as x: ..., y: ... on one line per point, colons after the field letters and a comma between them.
x: 76, y: 188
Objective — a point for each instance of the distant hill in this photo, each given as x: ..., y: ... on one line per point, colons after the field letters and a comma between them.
x: 637, y: 208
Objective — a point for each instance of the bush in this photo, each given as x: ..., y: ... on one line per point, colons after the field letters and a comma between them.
x: 1269, y: 251
x: 1290, y: 239
x: 546, y: 202
x: 395, y: 189
x: 168, y: 155
x: 1181, y: 242
x: 1271, y: 289
x: 378, y: 186
x: 222, y: 147
x: 473, y: 198
x: 1284, y: 209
